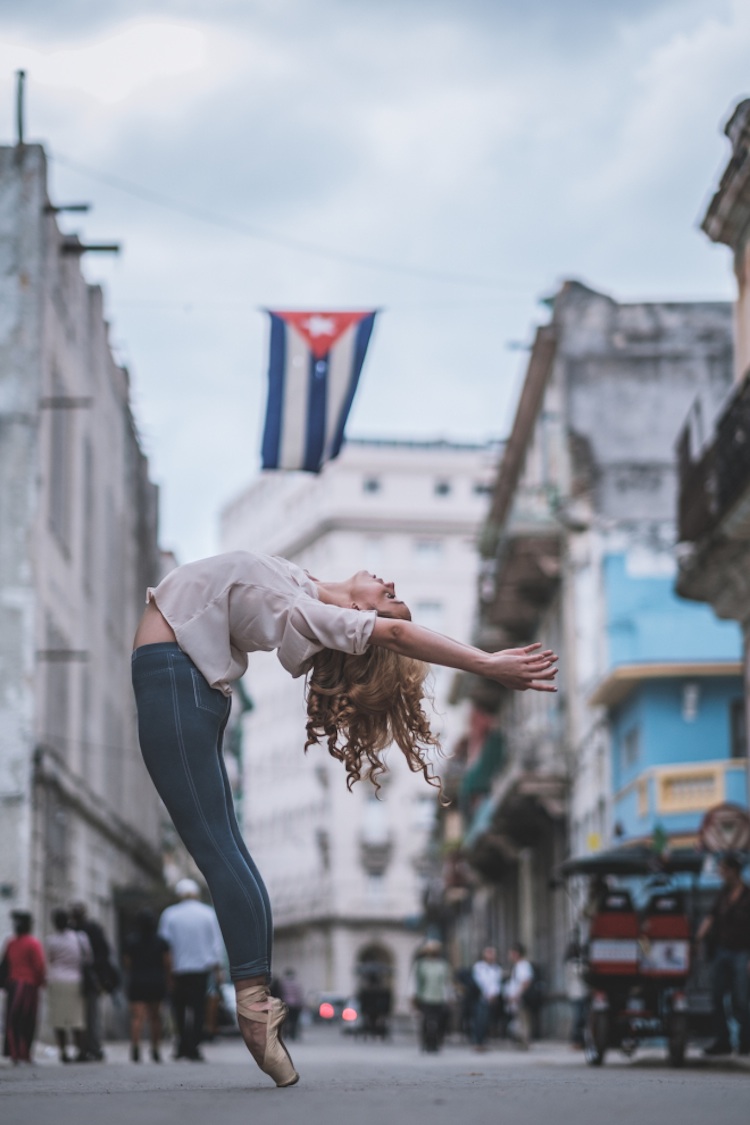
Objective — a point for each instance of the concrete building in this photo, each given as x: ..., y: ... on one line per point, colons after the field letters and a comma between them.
x: 714, y: 446
x: 346, y: 872
x: 579, y: 553
x: 674, y: 702
x: 79, y: 818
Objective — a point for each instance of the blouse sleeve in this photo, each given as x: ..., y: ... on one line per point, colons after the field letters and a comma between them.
x: 312, y: 625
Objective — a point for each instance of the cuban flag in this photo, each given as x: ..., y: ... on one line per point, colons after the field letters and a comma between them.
x: 315, y: 363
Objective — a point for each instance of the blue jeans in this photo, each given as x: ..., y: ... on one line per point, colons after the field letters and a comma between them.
x: 181, y: 721
x: 730, y: 975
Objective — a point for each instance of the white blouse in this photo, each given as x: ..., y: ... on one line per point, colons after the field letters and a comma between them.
x: 224, y: 607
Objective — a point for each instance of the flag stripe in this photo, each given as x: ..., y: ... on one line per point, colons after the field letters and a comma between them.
x: 291, y: 453
x: 339, y: 382
x: 362, y: 334
x: 275, y: 407
x: 317, y: 403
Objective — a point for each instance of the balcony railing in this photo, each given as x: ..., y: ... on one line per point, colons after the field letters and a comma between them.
x: 713, y: 483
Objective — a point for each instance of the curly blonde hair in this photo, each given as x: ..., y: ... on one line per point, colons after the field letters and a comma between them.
x: 359, y: 705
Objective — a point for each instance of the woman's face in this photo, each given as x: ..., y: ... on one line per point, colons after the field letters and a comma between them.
x: 371, y: 592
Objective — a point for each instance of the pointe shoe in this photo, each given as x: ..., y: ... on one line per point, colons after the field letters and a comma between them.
x: 269, y: 1051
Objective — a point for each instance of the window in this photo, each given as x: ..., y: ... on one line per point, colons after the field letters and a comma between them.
x: 371, y: 484
x: 631, y: 747
x: 429, y: 614
x: 737, y: 729
x: 114, y: 774
x: 57, y: 689
x: 690, y: 700
x: 690, y: 789
x: 60, y: 467
x: 423, y: 812
x: 375, y: 826
x: 442, y: 488
x: 373, y: 554
x: 87, y: 544
x: 428, y: 552
x: 479, y: 488
x: 376, y: 888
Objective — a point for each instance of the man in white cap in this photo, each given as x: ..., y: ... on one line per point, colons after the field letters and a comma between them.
x: 197, y: 949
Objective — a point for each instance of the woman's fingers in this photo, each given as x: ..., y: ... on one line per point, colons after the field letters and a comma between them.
x: 539, y: 666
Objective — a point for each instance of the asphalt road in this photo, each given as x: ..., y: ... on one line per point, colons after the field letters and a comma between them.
x: 378, y: 1084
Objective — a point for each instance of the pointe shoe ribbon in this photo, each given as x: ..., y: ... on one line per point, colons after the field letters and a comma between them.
x: 272, y: 1057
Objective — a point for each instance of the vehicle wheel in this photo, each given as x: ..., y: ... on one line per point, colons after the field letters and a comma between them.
x: 678, y: 1036
x: 597, y: 1038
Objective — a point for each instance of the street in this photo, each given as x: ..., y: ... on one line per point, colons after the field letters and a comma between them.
x: 374, y: 1083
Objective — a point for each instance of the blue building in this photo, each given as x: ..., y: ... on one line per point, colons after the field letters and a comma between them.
x: 675, y: 702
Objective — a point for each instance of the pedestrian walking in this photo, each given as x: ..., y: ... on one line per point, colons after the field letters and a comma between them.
x: 192, y: 933
x: 432, y: 994
x: 518, y: 988
x: 25, y: 970
x: 375, y: 999
x: 488, y: 977
x: 146, y: 959
x: 68, y: 956
x: 294, y: 998
x: 576, y: 990
x: 363, y: 658
x: 467, y: 994
x: 727, y: 928
x: 102, y: 977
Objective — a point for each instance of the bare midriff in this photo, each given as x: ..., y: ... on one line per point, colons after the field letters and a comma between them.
x: 153, y: 628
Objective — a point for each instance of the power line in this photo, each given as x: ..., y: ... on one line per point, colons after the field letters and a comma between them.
x: 273, y: 238
x: 193, y: 304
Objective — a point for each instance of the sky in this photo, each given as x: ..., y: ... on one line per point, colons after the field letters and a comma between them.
x: 448, y: 162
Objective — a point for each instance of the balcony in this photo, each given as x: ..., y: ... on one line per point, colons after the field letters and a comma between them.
x: 676, y: 797
x: 528, y: 796
x: 519, y: 582
x: 714, y: 487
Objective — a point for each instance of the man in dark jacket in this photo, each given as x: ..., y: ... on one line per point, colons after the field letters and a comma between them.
x: 728, y: 927
x: 104, y: 978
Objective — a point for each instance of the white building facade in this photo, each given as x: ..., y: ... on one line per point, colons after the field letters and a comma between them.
x: 345, y: 871
x: 79, y: 818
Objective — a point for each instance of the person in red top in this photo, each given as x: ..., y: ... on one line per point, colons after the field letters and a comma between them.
x: 26, y: 975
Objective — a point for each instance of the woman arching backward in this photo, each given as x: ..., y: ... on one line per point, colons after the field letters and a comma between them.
x: 365, y: 662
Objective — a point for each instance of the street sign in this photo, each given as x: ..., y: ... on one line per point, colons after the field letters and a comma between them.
x: 725, y: 828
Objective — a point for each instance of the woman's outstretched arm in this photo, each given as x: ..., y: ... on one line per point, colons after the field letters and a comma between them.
x: 519, y: 668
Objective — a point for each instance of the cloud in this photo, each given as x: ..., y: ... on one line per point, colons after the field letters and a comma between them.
x: 517, y: 142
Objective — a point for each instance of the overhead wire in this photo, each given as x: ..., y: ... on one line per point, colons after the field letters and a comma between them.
x: 261, y: 234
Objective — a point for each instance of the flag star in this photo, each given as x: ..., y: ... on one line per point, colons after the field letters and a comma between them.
x: 320, y: 326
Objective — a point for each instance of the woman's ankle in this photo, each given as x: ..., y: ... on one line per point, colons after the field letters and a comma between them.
x: 250, y: 982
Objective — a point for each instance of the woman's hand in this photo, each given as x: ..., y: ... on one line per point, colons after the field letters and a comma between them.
x: 524, y: 668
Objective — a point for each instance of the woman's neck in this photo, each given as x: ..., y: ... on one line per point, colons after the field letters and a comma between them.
x: 334, y: 593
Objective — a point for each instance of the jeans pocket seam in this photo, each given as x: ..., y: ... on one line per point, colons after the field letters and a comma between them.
x: 199, y: 703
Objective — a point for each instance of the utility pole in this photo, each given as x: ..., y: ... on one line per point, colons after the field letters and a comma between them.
x: 20, y: 80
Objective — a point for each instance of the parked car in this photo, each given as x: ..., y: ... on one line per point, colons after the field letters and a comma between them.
x: 336, y: 1010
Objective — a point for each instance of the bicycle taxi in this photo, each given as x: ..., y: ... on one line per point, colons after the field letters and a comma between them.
x: 647, y: 979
